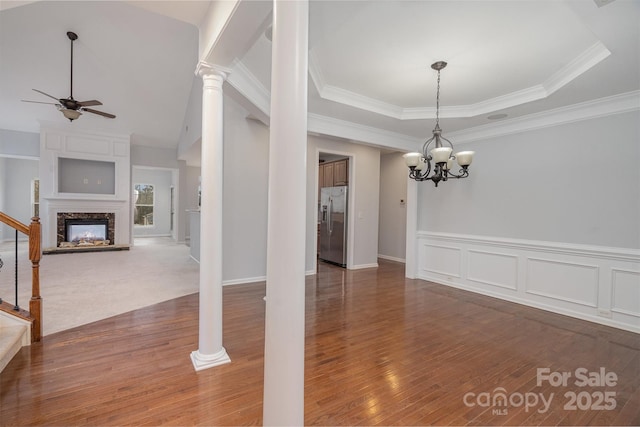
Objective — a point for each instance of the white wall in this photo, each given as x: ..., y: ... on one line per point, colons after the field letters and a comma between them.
x: 545, y: 219
x: 192, y: 125
x: 246, y: 164
x: 161, y: 180
x: 16, y: 183
x: 15, y: 143
x: 246, y: 159
x: 189, y: 182
x: 393, y: 209
x: 555, y: 184
x: 81, y: 144
x: 153, y: 157
x: 364, y: 184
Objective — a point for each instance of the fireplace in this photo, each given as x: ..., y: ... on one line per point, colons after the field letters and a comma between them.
x: 86, y: 230
x: 81, y: 229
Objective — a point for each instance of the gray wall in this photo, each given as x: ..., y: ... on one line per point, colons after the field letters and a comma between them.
x: 3, y: 180
x: 393, y: 213
x: 161, y: 181
x: 575, y: 183
x: 246, y: 161
x: 189, y: 182
x: 153, y: 157
x: 16, y: 183
x: 365, y: 186
x: 246, y: 165
x: 15, y: 143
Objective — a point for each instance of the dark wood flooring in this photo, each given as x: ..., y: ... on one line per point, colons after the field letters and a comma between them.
x: 380, y: 350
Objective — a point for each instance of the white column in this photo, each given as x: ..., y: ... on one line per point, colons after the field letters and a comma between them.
x: 284, y: 328
x: 210, y: 350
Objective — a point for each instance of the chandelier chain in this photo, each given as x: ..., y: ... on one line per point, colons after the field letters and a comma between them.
x: 438, y: 101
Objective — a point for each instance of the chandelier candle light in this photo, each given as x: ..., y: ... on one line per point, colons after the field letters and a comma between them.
x: 420, y: 163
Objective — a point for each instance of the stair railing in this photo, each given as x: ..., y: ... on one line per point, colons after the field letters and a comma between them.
x: 35, y: 303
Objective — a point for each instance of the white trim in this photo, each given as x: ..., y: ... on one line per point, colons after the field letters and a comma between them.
x: 361, y: 266
x: 623, y: 254
x: 592, y: 56
x: 205, y: 361
x: 576, y: 67
x: 248, y: 85
x: 616, y: 104
x: 244, y: 281
x: 21, y: 157
x: 534, y: 304
x: 491, y: 282
x: 594, y: 301
x: 357, y: 132
x: 595, y: 270
x: 392, y: 258
x: 613, y: 290
x: 317, y: 77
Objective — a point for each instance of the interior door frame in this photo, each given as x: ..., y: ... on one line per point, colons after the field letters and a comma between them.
x: 351, y: 202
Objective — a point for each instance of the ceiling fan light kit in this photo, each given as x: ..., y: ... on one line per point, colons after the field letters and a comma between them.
x: 70, y: 108
x: 420, y: 163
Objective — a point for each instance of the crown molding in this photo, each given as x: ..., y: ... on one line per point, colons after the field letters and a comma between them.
x: 250, y: 87
x: 361, y: 133
x: 616, y: 104
x: 579, y: 65
x: 315, y: 71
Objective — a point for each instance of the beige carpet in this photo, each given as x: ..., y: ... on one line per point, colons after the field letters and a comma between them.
x: 84, y: 287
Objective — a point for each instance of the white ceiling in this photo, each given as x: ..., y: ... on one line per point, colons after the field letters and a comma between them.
x: 369, y: 61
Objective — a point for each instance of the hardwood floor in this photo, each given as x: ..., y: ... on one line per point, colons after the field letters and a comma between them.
x: 380, y: 350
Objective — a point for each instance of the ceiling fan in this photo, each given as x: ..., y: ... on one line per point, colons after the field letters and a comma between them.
x: 69, y: 107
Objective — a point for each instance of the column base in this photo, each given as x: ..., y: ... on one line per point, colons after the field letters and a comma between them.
x: 206, y: 361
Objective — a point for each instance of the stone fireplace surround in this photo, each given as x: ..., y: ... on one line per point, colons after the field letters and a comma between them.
x: 62, y: 216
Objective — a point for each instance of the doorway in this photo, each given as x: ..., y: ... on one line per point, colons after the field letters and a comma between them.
x: 333, y: 208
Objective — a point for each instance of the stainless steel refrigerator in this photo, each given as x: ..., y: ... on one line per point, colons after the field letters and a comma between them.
x: 333, y: 225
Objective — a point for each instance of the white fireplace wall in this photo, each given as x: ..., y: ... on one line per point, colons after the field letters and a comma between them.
x: 58, y: 143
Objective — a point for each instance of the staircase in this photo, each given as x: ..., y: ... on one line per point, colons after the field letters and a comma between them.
x: 19, y: 327
x: 14, y: 334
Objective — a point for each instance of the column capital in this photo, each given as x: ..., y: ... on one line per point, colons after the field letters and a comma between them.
x: 204, y: 69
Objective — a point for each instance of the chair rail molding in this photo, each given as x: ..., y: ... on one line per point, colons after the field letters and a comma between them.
x: 595, y: 283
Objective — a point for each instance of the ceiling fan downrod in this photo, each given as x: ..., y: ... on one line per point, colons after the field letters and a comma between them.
x: 72, y: 36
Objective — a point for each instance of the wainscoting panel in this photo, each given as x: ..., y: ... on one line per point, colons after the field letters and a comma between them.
x: 576, y: 283
x: 594, y: 283
x: 495, y: 269
x: 625, y: 289
x: 440, y: 259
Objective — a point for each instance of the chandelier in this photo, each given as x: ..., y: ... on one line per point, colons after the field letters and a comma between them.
x: 420, y: 165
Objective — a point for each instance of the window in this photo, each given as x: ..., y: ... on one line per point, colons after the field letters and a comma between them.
x: 143, y: 205
x: 35, y: 197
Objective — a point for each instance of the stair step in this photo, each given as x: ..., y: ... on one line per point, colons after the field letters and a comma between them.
x: 12, y: 338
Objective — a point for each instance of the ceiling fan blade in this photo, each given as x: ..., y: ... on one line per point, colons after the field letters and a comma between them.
x: 39, y: 102
x: 46, y: 94
x: 101, y: 113
x: 89, y: 103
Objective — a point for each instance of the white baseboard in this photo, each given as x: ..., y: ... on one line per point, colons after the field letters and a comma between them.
x: 593, y: 283
x: 244, y: 281
x: 361, y: 266
x: 392, y: 258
